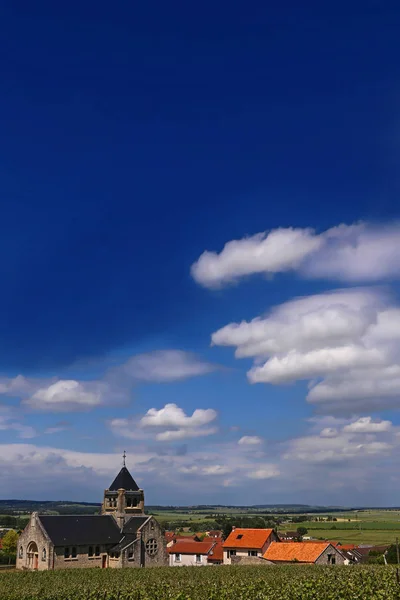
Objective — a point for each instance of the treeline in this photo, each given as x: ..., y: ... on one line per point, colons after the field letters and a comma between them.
x: 18, y: 523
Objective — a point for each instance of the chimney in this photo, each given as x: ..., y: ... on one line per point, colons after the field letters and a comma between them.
x: 233, y: 527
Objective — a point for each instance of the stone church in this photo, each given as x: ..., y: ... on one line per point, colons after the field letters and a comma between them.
x: 121, y: 536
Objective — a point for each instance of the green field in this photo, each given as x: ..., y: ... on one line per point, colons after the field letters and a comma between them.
x: 354, y: 527
x: 289, y: 582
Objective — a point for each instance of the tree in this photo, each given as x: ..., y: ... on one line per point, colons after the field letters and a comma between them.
x: 302, y: 531
x: 391, y: 555
x: 9, y: 542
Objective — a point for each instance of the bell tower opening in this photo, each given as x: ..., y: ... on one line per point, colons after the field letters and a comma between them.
x: 123, y: 498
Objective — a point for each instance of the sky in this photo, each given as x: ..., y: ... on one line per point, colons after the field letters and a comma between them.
x: 200, y: 241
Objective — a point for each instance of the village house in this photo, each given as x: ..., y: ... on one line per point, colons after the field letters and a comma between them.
x: 122, y: 536
x: 247, y: 543
x: 190, y: 553
x: 317, y: 553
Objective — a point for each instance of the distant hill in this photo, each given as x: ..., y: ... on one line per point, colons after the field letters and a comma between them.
x: 15, y: 507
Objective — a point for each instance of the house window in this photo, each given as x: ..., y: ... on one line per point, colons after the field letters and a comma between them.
x: 151, y: 547
x: 21, y: 552
x: 177, y: 558
x: 231, y: 553
x: 130, y: 553
x: 333, y: 561
x: 239, y: 536
x: 44, y: 554
x: 252, y: 553
x: 90, y: 553
x: 134, y: 502
x: 97, y: 551
x: 66, y: 552
x: 73, y: 553
x: 198, y: 558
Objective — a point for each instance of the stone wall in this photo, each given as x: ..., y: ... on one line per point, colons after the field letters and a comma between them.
x: 35, y: 550
x: 82, y: 560
x: 324, y: 560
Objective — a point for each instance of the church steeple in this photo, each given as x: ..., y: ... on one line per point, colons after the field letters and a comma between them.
x: 123, y: 498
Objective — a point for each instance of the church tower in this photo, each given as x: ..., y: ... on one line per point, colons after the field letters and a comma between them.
x: 123, y: 499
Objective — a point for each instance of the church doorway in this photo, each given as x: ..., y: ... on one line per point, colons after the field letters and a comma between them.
x: 32, y: 556
x: 104, y: 561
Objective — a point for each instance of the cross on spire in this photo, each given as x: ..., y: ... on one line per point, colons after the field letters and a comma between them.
x: 123, y: 459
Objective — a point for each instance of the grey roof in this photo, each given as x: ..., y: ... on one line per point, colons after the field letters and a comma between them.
x: 135, y: 522
x: 129, y: 532
x: 73, y: 530
x: 124, y: 480
x: 127, y: 540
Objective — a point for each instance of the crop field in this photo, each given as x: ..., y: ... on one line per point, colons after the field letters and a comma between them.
x: 355, y: 527
x: 291, y: 582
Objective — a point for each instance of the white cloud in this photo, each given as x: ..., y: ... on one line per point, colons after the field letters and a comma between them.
x: 367, y: 425
x: 341, y: 448
x: 114, y: 387
x: 329, y: 432
x: 327, y: 320
x: 279, y: 250
x: 173, y: 422
x: 346, y: 343
x: 184, y: 434
x: 317, y: 363
x: 166, y: 365
x: 172, y: 415
x: 357, y: 253
x: 265, y: 472
x: 250, y: 440
x: 67, y: 395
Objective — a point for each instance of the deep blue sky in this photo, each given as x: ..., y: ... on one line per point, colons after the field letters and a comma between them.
x: 136, y: 136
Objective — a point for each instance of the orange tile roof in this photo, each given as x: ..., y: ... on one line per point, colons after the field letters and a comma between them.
x: 182, y: 547
x: 306, y: 552
x: 247, y: 538
x: 217, y: 553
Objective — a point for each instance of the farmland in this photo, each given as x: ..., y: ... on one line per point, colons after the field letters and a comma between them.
x: 210, y: 583
x: 368, y: 526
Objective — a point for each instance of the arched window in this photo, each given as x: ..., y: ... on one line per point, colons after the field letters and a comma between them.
x: 97, y: 551
x: 73, y: 554
x: 21, y: 552
x: 90, y: 551
x: 44, y: 554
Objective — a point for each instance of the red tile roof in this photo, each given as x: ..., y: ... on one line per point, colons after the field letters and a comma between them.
x: 305, y: 552
x: 247, y: 538
x: 217, y: 553
x: 182, y: 547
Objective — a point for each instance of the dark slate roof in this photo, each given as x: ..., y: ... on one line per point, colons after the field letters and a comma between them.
x: 73, y: 530
x: 126, y: 541
x: 129, y: 532
x: 124, y: 480
x: 134, y: 523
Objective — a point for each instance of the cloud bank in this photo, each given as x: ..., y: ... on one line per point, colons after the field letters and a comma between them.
x: 346, y: 343
x: 351, y: 253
